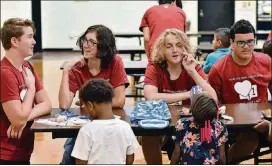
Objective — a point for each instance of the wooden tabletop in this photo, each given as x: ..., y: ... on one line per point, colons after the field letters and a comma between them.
x: 245, y: 117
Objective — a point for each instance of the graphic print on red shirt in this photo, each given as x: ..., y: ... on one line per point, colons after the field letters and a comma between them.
x: 234, y: 83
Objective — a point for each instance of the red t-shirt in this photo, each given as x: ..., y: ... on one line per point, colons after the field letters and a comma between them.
x: 269, y: 36
x: 234, y: 83
x: 115, y: 74
x: 12, y: 83
x: 161, y: 17
x: 159, y: 77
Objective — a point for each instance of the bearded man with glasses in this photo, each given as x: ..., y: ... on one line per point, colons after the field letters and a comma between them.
x: 242, y: 76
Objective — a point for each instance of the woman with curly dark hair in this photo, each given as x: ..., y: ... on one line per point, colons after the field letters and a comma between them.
x: 99, y: 60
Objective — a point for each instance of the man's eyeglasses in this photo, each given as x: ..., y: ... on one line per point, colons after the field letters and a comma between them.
x: 242, y: 44
x: 90, y: 42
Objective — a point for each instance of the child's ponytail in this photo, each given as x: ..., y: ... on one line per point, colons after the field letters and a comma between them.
x: 204, y: 110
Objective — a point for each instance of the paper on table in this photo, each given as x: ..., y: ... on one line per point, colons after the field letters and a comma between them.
x: 51, y: 123
x: 267, y: 113
x: 62, y: 120
x: 80, y: 122
x: 117, y: 116
x: 76, y: 121
x: 226, y: 117
x: 222, y: 109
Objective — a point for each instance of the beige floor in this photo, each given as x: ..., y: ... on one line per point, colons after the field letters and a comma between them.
x: 46, y: 149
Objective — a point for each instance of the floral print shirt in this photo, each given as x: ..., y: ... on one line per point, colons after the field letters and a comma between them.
x: 192, y: 151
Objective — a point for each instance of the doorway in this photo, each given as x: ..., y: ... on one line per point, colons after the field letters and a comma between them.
x: 213, y: 15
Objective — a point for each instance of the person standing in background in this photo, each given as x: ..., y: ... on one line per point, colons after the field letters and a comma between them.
x: 269, y: 36
x: 168, y: 14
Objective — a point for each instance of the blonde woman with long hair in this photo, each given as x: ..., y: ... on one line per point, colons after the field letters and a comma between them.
x: 170, y: 76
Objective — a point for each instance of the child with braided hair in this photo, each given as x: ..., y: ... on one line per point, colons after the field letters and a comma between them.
x: 200, y: 139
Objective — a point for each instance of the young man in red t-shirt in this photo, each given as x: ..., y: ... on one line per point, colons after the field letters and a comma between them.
x: 21, y: 89
x: 159, y: 18
x: 170, y: 76
x: 242, y: 76
x: 100, y: 61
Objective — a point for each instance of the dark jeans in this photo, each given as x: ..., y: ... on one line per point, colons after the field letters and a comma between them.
x: 67, y: 159
x: 11, y: 162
